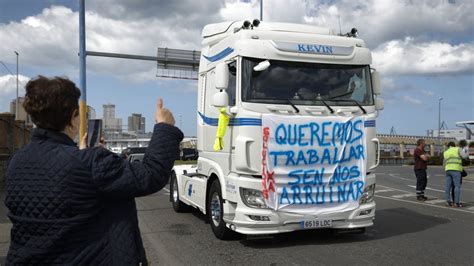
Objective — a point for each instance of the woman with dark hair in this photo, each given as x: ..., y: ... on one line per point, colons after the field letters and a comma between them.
x: 75, y: 205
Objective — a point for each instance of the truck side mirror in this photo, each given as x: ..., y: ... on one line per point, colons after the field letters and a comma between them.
x: 222, y: 76
x: 376, y: 83
x: 379, y: 104
x: 220, y: 99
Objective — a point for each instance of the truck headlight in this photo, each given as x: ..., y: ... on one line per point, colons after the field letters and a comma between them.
x: 253, y: 198
x: 368, y: 195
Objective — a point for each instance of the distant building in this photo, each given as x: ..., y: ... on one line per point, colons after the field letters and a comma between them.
x: 402, y: 146
x: 22, y: 115
x: 118, y: 143
x: 469, y: 127
x: 90, y: 112
x: 142, y: 125
x: 111, y: 124
x: 136, y: 124
x: 457, y: 133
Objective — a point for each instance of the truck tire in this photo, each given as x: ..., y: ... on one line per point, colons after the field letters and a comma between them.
x: 215, y: 213
x: 178, y: 205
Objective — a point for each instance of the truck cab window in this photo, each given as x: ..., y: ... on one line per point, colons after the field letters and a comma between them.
x: 306, y: 83
x: 231, y: 90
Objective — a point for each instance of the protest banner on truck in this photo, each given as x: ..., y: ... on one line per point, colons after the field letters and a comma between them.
x: 313, y: 162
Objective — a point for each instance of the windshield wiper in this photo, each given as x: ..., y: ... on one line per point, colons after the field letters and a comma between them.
x: 356, y: 102
x: 293, y: 105
x: 360, y: 106
x: 341, y: 95
x: 319, y: 98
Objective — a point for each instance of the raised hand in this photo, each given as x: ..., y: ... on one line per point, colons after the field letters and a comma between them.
x: 163, y: 115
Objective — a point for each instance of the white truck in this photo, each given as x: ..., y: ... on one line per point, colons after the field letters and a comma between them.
x: 300, y: 148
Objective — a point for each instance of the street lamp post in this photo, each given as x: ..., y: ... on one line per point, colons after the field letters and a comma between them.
x: 16, y: 102
x: 439, y: 121
x: 180, y: 124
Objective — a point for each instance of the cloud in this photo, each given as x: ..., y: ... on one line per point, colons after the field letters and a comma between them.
x: 184, y: 13
x: 388, y: 84
x: 281, y: 11
x: 8, y: 85
x: 411, y: 100
x: 394, y: 91
x: 408, y: 57
x: 427, y: 93
x: 378, y: 21
x: 8, y: 89
x: 382, y: 21
x: 50, y: 39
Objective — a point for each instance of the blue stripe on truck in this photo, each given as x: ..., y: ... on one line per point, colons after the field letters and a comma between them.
x: 252, y: 121
x: 233, y: 121
x: 227, y: 51
x: 369, y: 123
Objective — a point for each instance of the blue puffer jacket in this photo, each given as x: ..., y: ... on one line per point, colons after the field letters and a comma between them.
x: 77, y: 207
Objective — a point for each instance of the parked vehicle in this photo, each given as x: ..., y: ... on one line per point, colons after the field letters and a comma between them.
x: 136, y: 157
x: 132, y: 150
x: 188, y: 154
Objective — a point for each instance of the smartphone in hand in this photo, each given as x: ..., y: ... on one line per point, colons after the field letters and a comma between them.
x: 94, y: 132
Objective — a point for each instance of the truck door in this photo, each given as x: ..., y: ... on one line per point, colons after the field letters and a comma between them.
x: 211, y: 114
x: 232, y: 91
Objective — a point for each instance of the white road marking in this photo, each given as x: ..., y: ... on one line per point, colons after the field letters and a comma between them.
x: 167, y: 190
x: 395, y: 176
x: 439, y: 190
x: 421, y: 203
x: 428, y: 188
x: 435, y: 201
x: 471, y: 208
x: 383, y: 190
x: 393, y: 188
x: 403, y: 196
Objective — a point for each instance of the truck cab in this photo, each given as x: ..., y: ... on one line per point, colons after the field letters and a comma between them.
x: 301, y: 104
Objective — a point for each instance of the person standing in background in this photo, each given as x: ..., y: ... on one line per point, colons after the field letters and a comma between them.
x: 421, y: 164
x: 451, y: 180
x: 463, y: 149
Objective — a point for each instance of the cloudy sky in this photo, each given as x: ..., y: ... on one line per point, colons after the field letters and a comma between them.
x: 424, y: 50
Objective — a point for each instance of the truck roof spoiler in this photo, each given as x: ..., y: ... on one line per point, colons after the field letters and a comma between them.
x: 229, y: 27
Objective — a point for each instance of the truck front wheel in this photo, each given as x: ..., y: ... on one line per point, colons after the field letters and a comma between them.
x: 215, y: 213
x: 178, y: 205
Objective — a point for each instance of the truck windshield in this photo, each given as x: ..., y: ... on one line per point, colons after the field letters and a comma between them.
x: 306, y: 83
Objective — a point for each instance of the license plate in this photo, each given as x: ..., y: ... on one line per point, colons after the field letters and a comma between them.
x: 318, y: 223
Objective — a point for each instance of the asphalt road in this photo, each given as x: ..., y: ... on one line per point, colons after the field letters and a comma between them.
x: 405, y: 232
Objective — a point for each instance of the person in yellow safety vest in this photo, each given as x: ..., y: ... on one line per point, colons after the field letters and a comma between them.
x: 463, y: 151
x: 453, y: 168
